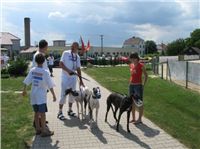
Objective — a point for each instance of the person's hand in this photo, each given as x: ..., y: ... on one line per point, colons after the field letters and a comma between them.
x: 54, y: 98
x: 24, y: 93
x: 72, y: 73
x: 82, y: 84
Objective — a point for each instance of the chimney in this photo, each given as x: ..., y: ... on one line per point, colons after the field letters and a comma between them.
x: 27, y: 32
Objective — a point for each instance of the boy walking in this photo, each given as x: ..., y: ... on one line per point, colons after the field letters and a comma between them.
x: 41, y: 81
x: 136, y: 85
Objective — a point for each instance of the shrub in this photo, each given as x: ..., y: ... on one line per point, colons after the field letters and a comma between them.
x: 4, y: 73
x: 18, y: 67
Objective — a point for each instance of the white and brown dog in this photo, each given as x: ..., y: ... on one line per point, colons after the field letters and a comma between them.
x: 94, y: 103
x: 83, y: 96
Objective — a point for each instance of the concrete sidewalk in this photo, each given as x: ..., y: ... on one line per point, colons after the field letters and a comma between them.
x: 72, y: 133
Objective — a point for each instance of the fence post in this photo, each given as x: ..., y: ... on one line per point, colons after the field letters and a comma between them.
x: 186, y: 74
x: 167, y: 71
x: 162, y: 71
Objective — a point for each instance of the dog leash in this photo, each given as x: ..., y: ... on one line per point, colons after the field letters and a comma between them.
x: 81, y: 76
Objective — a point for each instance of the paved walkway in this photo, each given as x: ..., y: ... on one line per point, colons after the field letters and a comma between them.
x: 72, y: 133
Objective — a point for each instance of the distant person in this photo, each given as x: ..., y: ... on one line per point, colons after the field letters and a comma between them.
x: 50, y: 64
x: 41, y: 81
x: 69, y: 63
x: 43, y: 45
x: 136, y: 85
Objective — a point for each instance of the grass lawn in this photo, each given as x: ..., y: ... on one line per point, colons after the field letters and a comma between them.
x: 173, y: 108
x: 16, y: 115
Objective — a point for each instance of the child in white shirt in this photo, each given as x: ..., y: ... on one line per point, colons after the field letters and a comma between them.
x: 41, y: 81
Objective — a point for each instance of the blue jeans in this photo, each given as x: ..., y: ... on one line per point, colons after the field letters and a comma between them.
x: 136, y: 90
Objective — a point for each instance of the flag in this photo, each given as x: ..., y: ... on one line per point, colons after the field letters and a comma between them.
x: 88, y: 46
x: 83, y: 46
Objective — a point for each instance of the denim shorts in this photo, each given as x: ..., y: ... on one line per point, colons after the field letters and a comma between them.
x: 136, y: 90
x: 42, y: 108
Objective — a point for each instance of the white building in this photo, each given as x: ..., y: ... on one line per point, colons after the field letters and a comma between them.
x: 10, y: 42
x: 136, y: 44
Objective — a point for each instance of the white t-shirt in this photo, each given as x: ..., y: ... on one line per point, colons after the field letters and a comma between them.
x: 71, y: 61
x: 51, y: 60
x: 34, y: 64
x: 41, y: 81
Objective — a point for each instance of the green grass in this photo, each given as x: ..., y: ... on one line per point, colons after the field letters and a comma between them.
x: 16, y: 115
x: 173, y: 108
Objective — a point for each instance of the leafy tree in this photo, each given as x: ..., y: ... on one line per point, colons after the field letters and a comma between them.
x: 150, y: 47
x: 176, y: 47
x: 194, y: 39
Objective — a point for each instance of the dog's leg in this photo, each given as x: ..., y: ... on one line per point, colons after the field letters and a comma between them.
x: 128, y: 117
x: 85, y: 105
x: 90, y: 113
x: 97, y: 110
x: 114, y: 113
x: 120, y: 113
x: 81, y: 110
x: 108, y: 108
x: 77, y: 109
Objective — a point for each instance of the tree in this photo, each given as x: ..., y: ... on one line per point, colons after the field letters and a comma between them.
x: 150, y: 47
x: 194, y: 39
x: 176, y: 47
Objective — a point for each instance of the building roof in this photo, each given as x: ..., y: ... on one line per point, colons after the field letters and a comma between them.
x: 133, y: 41
x: 6, y: 38
x: 188, y: 50
x: 29, y: 50
x: 196, y: 49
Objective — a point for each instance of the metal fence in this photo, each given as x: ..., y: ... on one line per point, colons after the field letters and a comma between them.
x: 186, y: 73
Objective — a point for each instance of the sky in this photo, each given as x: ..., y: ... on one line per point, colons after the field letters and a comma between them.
x: 162, y: 21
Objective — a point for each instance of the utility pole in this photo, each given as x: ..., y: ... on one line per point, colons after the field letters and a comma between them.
x: 101, y: 44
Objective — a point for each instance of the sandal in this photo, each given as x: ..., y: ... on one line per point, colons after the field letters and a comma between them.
x: 71, y: 113
x: 38, y: 132
x: 137, y: 122
x: 61, y: 116
x: 47, y: 134
x: 132, y: 121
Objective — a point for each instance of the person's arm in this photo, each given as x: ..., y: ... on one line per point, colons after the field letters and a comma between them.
x: 145, y: 75
x: 53, y: 93
x: 79, y: 73
x: 24, y: 91
x: 61, y: 64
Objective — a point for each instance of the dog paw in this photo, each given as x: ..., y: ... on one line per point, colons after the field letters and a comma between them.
x: 128, y: 131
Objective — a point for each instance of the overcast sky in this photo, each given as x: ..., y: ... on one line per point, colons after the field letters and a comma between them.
x: 117, y: 20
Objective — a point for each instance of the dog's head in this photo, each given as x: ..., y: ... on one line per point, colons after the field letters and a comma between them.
x: 96, y: 93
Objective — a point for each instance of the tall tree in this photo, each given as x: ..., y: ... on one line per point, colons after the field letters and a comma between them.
x: 194, y: 39
x: 150, y: 47
x: 176, y: 47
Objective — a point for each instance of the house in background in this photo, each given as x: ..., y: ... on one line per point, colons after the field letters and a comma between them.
x: 136, y: 44
x: 191, y: 51
x: 10, y: 42
x: 161, y: 48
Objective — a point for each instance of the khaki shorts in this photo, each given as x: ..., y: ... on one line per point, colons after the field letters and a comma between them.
x: 67, y: 84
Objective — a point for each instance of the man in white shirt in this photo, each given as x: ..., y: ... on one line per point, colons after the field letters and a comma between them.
x: 70, y: 63
x: 43, y: 45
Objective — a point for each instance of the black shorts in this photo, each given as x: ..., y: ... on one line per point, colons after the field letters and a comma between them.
x: 42, y: 108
